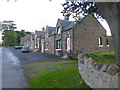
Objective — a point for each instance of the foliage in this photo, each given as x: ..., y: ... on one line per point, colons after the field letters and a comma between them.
x: 9, y: 38
x: 8, y: 25
x: 0, y: 44
x: 79, y: 9
x: 54, y: 74
x: 9, y: 35
x: 103, y: 57
x: 21, y: 34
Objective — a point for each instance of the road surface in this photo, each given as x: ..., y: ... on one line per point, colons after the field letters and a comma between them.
x: 12, y: 75
x: 27, y: 58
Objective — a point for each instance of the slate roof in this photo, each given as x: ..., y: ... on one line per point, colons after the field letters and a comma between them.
x: 50, y: 30
x: 70, y: 26
x: 33, y: 35
x: 65, y: 23
x: 39, y: 32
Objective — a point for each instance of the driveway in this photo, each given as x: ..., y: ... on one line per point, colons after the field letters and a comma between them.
x: 27, y: 58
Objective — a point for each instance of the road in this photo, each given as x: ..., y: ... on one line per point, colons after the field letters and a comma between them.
x: 12, y: 75
x: 27, y: 58
x: 0, y: 68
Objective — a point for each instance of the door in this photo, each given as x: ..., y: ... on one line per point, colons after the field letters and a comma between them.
x: 68, y: 44
x: 42, y: 46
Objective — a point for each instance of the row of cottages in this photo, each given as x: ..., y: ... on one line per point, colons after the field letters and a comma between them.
x: 69, y: 38
x: 32, y: 41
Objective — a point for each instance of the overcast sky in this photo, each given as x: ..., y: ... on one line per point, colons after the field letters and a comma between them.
x: 32, y: 15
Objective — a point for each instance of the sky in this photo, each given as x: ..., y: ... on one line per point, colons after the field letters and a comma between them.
x: 32, y: 15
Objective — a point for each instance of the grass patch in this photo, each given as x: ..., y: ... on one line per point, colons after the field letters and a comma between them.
x: 54, y: 74
x: 103, y: 57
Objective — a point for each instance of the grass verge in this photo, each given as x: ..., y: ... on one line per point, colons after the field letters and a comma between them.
x: 103, y: 57
x: 54, y: 74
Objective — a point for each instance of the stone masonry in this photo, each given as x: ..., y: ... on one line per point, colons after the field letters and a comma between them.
x: 98, y: 75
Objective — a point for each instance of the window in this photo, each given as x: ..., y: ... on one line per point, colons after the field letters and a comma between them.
x: 47, y: 35
x: 107, y: 41
x: 58, y: 46
x: 100, y: 42
x: 46, y: 45
x: 58, y: 30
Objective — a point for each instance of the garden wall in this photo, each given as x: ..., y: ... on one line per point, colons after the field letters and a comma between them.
x: 98, y: 75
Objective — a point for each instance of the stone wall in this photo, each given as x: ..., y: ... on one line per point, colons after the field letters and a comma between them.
x: 111, y: 45
x: 86, y: 36
x: 51, y: 45
x: 98, y: 75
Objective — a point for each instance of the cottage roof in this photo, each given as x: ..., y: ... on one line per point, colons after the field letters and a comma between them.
x: 64, y: 23
x: 33, y: 35
x: 70, y: 26
x: 50, y: 30
x: 39, y: 32
x: 28, y: 36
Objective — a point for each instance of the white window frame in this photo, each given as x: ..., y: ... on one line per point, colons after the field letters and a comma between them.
x: 58, y: 44
x: 47, y: 34
x: 100, y: 44
x: 107, y: 42
x: 58, y: 30
x: 46, y: 46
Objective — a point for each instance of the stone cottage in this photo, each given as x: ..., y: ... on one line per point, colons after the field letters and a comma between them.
x: 87, y: 35
x: 50, y: 40
x: 59, y: 36
x: 32, y: 41
x: 26, y: 41
x: 42, y: 38
x: 37, y: 39
x: 22, y: 41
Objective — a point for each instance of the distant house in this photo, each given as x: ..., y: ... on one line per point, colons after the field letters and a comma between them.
x: 22, y: 41
x: 26, y: 41
x: 42, y: 38
x: 37, y: 41
x: 32, y: 41
x: 49, y: 39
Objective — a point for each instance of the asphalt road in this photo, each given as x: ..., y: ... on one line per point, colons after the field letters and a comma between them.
x: 0, y: 68
x: 12, y: 75
x: 27, y: 58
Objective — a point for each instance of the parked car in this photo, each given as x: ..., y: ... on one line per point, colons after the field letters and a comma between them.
x: 25, y: 49
x: 18, y: 47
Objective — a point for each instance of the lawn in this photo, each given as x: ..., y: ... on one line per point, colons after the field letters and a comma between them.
x: 103, y: 57
x: 54, y: 74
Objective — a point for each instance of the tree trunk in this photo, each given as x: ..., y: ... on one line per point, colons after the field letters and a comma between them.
x: 111, y: 12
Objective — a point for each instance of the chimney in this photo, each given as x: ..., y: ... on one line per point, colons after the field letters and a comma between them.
x: 66, y: 17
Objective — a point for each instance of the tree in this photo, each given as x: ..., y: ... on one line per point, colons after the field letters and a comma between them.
x: 9, y: 35
x: 111, y: 12
x: 9, y: 38
x: 8, y: 25
x: 79, y: 9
